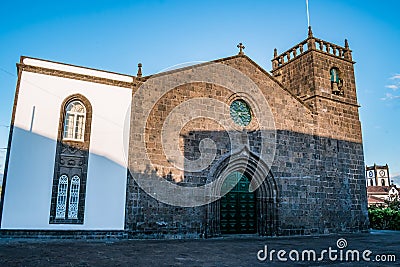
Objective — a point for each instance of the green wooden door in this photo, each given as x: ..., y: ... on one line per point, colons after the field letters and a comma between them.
x: 238, y: 208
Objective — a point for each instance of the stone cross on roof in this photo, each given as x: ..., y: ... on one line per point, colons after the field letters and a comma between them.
x: 241, y: 47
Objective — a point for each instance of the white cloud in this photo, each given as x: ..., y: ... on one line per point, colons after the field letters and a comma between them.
x: 395, y: 77
x: 395, y: 84
x: 389, y: 96
x: 392, y: 86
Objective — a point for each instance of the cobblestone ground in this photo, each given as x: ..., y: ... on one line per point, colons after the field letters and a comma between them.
x: 225, y: 251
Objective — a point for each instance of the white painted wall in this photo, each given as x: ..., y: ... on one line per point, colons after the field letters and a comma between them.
x: 31, y: 164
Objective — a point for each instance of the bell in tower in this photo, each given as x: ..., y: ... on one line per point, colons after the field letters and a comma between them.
x: 336, y: 82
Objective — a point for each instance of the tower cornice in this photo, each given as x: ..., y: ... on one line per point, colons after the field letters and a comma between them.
x: 308, y: 45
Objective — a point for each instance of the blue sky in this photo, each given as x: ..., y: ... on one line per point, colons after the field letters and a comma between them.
x: 116, y: 35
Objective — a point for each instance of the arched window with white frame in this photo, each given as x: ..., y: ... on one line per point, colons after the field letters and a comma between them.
x: 62, y: 196
x: 74, y: 198
x: 74, y: 124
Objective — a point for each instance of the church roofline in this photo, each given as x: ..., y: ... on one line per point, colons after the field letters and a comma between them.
x: 377, y: 199
x: 66, y: 70
x: 168, y: 72
x: 280, y: 84
x: 45, y: 63
x: 230, y: 58
x: 373, y: 167
x: 378, y: 189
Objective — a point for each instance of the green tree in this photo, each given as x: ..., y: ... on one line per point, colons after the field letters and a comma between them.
x: 385, y: 218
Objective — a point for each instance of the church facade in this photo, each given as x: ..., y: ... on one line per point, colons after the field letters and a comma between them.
x: 380, y: 189
x: 223, y: 147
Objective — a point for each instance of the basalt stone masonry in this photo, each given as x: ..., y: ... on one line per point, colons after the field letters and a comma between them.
x: 316, y: 183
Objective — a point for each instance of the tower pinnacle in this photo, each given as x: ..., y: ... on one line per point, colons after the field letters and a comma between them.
x: 139, y: 73
x: 310, y: 34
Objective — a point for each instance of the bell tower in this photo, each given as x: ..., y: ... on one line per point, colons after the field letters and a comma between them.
x: 321, y: 74
x: 316, y: 67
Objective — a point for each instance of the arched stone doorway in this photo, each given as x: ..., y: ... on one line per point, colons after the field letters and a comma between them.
x: 257, y: 173
x: 238, y: 206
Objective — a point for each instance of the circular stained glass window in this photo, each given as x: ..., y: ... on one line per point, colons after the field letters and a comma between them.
x: 240, y: 112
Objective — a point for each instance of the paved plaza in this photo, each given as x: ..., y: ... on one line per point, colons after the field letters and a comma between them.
x: 381, y: 248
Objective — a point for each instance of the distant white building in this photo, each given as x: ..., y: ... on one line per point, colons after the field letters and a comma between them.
x: 379, y: 186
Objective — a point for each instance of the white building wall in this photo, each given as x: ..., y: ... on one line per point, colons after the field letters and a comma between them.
x: 31, y: 163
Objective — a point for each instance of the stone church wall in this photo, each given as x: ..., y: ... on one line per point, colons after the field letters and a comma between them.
x: 319, y: 177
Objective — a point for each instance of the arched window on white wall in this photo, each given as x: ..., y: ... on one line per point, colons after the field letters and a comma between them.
x: 62, y: 196
x: 71, y: 160
x: 74, y: 198
x: 74, y: 124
